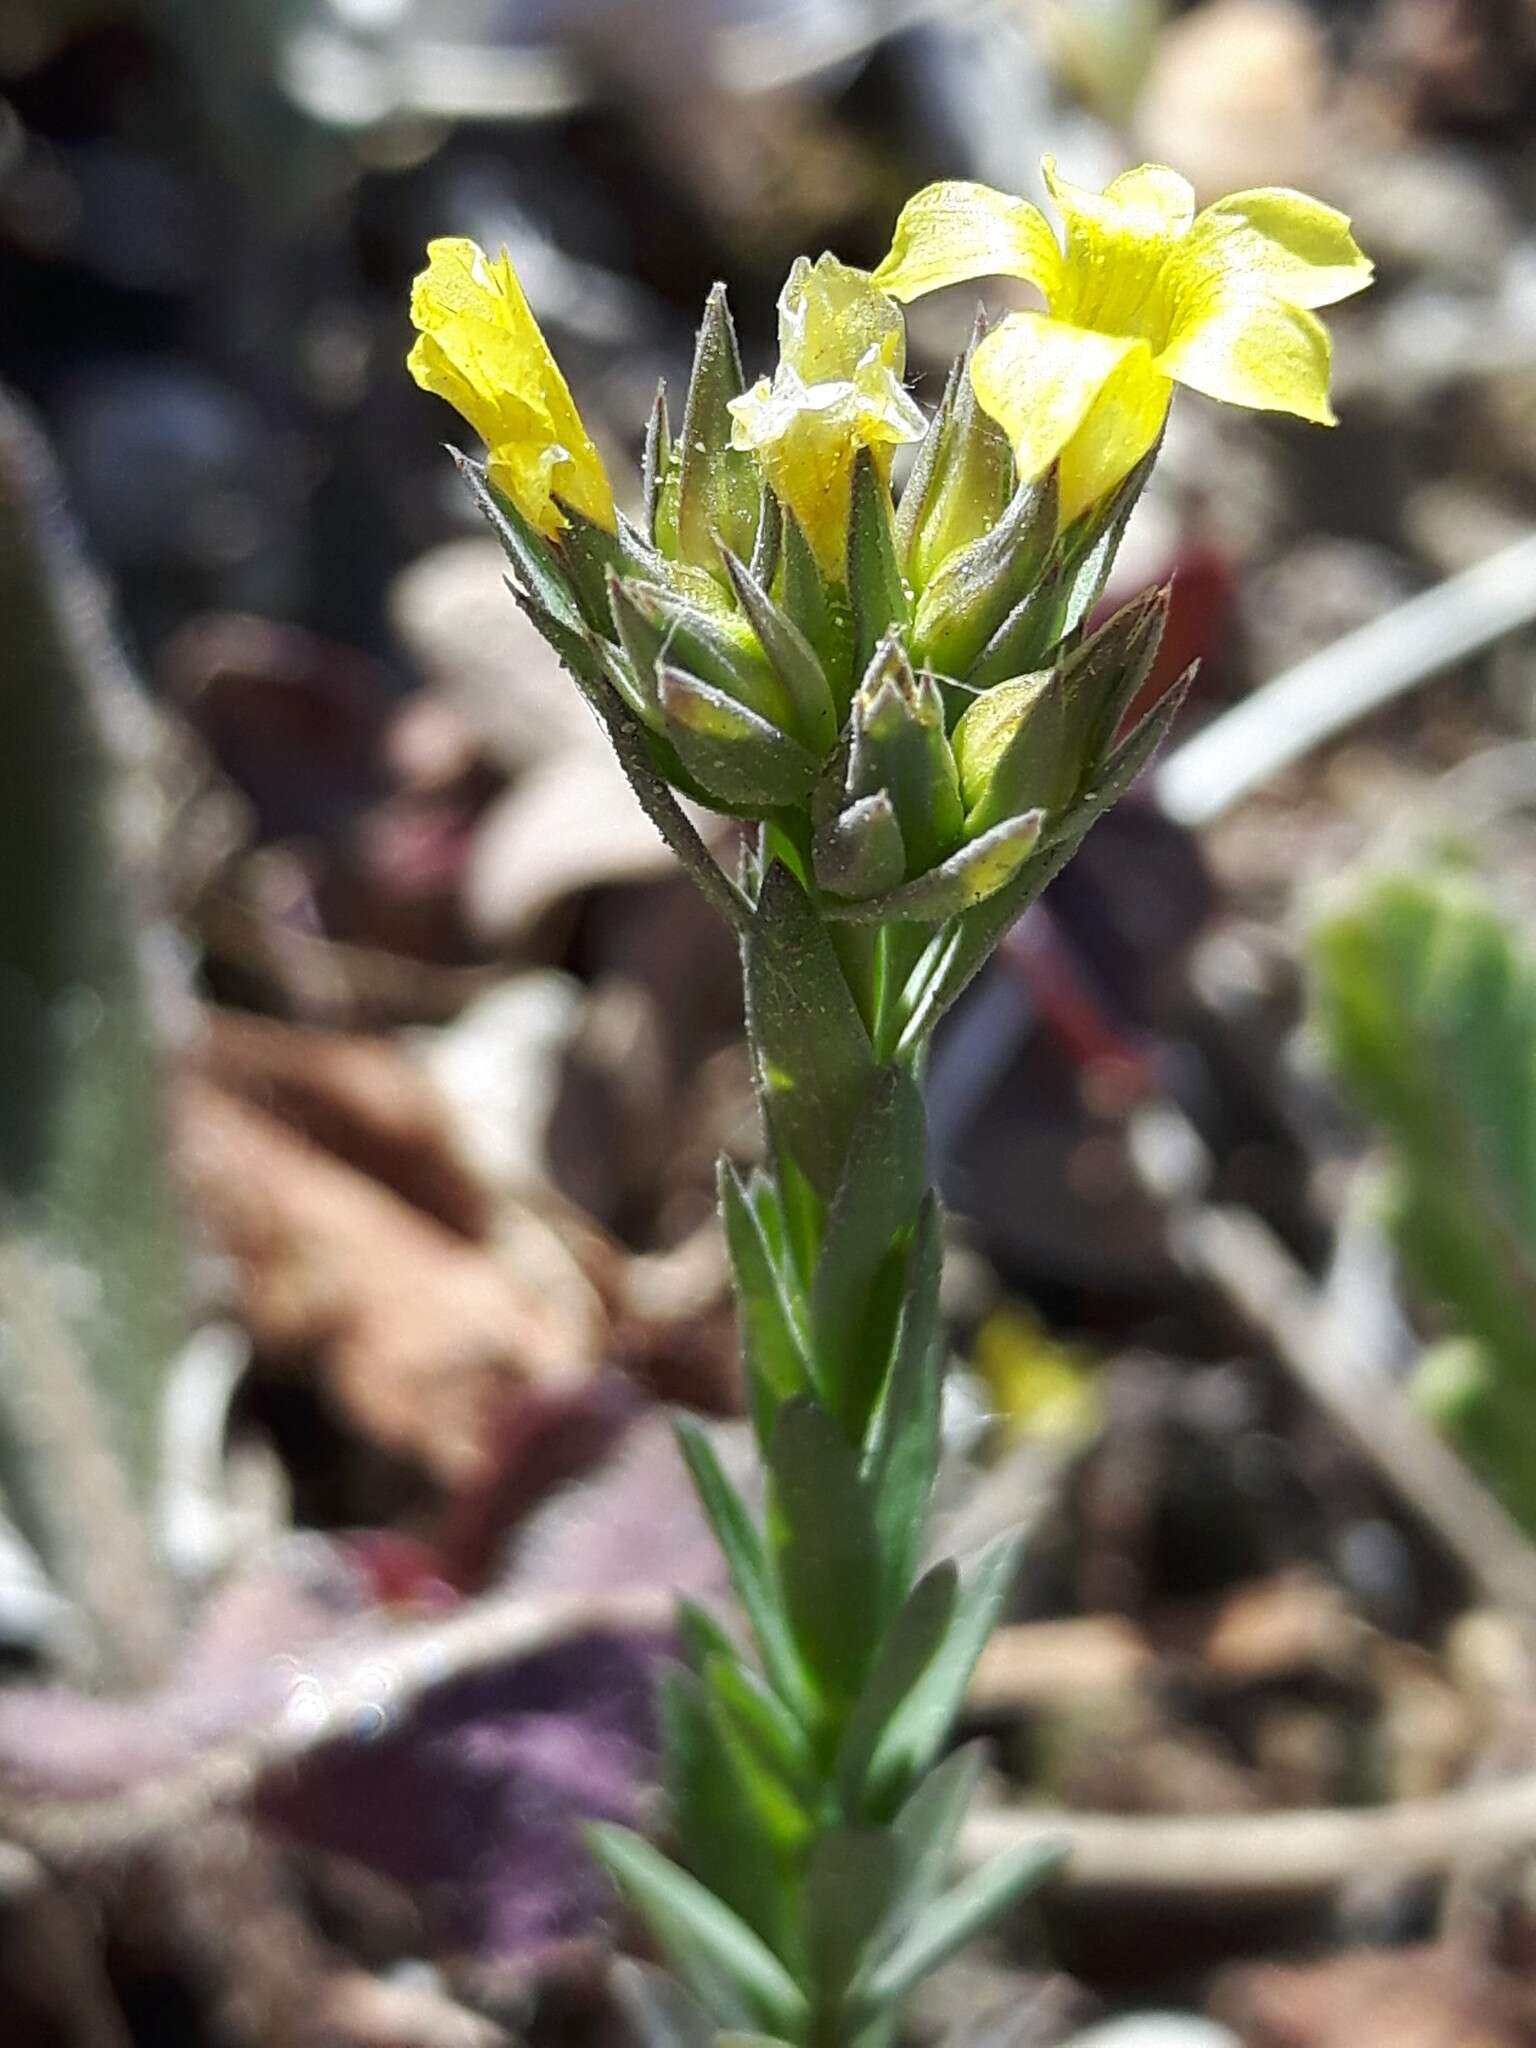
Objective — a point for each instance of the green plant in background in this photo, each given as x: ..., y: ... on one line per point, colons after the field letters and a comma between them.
x: 906, y: 706
x: 1427, y: 1001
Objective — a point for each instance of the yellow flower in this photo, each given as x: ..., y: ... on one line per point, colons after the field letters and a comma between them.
x: 1143, y: 294
x: 479, y: 346
x: 838, y: 388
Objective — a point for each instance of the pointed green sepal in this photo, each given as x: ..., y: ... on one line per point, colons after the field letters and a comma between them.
x: 982, y: 868
x: 877, y: 595
x: 969, y: 487
x: 1016, y: 752
x: 1103, y: 678
x: 718, y: 488
x: 730, y: 751
x: 656, y: 459
x: 792, y: 657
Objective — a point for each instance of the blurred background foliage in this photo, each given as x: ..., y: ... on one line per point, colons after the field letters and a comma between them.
x: 365, y: 1061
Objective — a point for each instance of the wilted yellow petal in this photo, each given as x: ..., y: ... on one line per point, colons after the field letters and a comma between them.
x: 1092, y: 400
x: 955, y: 231
x: 480, y: 348
x: 1277, y: 242
x: 832, y: 316
x: 806, y: 437
x: 1257, y: 352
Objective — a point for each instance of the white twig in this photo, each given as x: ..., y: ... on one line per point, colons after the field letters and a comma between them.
x: 1328, y: 691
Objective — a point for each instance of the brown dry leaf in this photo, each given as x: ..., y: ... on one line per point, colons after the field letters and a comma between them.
x: 417, y: 1335
x: 1442, y: 1997
x: 359, y: 1098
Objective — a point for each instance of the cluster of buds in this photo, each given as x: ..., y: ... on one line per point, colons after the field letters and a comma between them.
x: 906, y: 691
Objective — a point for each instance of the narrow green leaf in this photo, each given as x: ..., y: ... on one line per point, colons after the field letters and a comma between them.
x: 903, y: 1453
x: 856, y: 1297
x: 927, y: 469
x: 746, y: 1560
x: 928, y: 1825
x: 740, y: 1832
x: 761, y: 1723
x: 815, y: 1059
x: 821, y: 614
x: 730, y: 751
x: 825, y: 1549
x: 981, y: 869
x: 876, y: 593
x: 956, y: 1918
x: 1103, y: 678
x: 972, y: 485
x: 701, y: 1635
x: 794, y: 661
x: 920, y: 1726
x: 717, y: 647
x: 848, y: 1890
x: 711, y: 1948
x: 772, y: 1347
x: 905, y: 1652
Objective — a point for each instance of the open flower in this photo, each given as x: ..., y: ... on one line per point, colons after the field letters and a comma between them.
x: 838, y: 388
x: 479, y: 346
x: 1143, y: 294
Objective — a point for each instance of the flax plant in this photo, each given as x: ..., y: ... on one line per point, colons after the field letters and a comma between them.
x: 915, y: 713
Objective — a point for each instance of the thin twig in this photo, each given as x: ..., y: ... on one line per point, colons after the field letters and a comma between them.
x: 1259, y: 1856
x: 1330, y: 690
x: 1233, y: 1251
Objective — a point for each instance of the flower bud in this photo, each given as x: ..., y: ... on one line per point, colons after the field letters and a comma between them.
x: 739, y: 760
x: 860, y: 852
x: 898, y: 746
x: 719, y: 648
x: 962, y: 490
x: 974, y: 591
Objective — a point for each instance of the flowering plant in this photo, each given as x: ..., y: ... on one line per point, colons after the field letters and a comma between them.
x: 912, y: 707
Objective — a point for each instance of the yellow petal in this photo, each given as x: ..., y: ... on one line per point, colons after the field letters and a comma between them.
x: 1154, y: 189
x: 832, y: 316
x: 480, y: 348
x: 1259, y: 352
x: 1120, y: 426
x: 1093, y: 400
x: 1278, y: 242
x: 956, y: 231
x: 1117, y: 247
